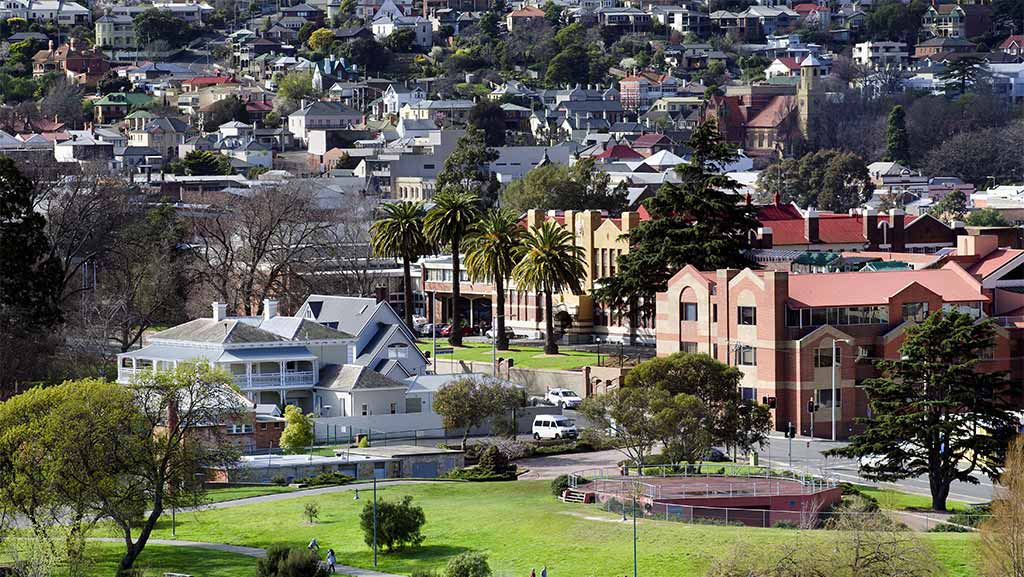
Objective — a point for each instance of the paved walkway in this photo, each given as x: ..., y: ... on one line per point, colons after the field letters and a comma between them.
x: 305, y: 493
x: 239, y: 550
x: 551, y: 466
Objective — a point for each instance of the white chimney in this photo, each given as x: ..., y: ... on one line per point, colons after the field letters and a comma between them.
x: 269, y: 309
x: 220, y: 311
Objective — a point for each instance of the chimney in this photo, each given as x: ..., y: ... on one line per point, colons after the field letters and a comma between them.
x: 220, y: 311
x: 71, y: 43
x: 871, y: 228
x: 381, y: 294
x: 764, y: 237
x: 898, y: 242
x: 269, y: 309
x: 811, y: 226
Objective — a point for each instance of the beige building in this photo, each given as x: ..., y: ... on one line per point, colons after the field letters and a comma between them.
x: 600, y: 237
x: 115, y: 33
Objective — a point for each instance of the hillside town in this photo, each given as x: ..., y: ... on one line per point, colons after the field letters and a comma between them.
x: 475, y: 288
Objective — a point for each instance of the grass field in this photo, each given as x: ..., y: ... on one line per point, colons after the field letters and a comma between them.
x: 159, y: 559
x: 520, y: 525
x: 526, y: 357
x: 890, y: 499
x: 232, y: 493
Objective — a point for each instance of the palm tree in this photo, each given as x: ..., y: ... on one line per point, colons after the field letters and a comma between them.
x: 490, y: 254
x: 549, y: 261
x: 399, y: 234
x: 447, y: 224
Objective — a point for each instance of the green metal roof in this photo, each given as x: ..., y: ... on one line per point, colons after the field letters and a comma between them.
x: 122, y: 98
x: 885, y: 265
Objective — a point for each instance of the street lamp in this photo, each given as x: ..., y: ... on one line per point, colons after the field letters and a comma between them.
x: 356, y: 498
x: 835, y: 350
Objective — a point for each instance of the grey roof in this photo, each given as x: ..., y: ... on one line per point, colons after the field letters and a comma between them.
x: 324, y: 108
x: 140, y: 151
x: 268, y: 354
x: 355, y: 377
x: 417, y: 124
x: 174, y: 352
x: 166, y: 124
x: 207, y: 330
x: 300, y: 329
x: 351, y: 313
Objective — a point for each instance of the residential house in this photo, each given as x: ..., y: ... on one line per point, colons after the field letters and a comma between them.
x: 880, y: 54
x: 398, y: 95
x: 956, y: 20
x: 79, y: 65
x: 682, y: 19
x: 942, y: 46
x: 619, y: 21
x: 163, y: 134
x: 1013, y: 45
x: 116, y: 105
x: 62, y: 13
x: 383, y: 343
x: 115, y: 33
x: 423, y: 32
x: 443, y: 112
x: 524, y: 18
x: 640, y: 90
x: 321, y: 115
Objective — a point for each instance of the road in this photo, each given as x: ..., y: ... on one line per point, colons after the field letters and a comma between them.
x: 807, y: 457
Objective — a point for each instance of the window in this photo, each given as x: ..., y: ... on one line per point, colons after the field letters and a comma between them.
x: 688, y: 347
x: 365, y: 410
x: 988, y: 353
x: 393, y: 408
x: 239, y: 429
x: 746, y: 315
x: 749, y: 393
x: 825, y: 397
x: 915, y: 311
x: 746, y: 356
x: 865, y: 353
x: 823, y: 357
x: 714, y: 313
x: 687, y: 311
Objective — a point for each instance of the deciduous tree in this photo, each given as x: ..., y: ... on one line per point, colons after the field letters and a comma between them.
x: 298, y: 430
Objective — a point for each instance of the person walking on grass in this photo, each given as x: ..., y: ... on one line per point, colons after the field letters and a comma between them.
x: 314, y: 546
x: 544, y: 571
x: 331, y: 560
x: 533, y: 572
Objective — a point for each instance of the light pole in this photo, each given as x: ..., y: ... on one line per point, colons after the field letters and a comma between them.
x: 835, y: 350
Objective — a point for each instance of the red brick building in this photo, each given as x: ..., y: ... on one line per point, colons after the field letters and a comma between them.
x: 779, y: 328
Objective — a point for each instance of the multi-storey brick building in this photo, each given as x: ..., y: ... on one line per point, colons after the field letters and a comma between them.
x: 780, y: 328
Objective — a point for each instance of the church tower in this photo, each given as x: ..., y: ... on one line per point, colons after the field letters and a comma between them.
x: 810, y: 94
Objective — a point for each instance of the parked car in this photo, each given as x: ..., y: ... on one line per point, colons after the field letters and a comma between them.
x: 717, y: 456
x: 563, y: 398
x: 554, y: 427
x: 466, y: 331
x: 509, y: 333
x: 429, y: 329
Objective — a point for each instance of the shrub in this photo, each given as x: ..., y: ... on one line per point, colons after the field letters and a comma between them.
x: 478, y: 474
x: 786, y: 525
x: 856, y: 504
x: 494, y: 461
x: 329, y: 478
x: 279, y: 480
x: 398, y: 524
x: 559, y: 485
x: 512, y: 449
x: 364, y: 442
x: 311, y: 511
x: 468, y: 564
x: 962, y: 521
x: 283, y: 561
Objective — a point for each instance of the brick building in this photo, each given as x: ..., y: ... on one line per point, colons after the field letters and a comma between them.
x: 779, y: 328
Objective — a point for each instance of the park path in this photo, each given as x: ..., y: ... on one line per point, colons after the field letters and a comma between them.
x: 239, y: 550
x: 305, y: 493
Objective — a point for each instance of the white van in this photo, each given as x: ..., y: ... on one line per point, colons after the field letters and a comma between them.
x: 554, y: 427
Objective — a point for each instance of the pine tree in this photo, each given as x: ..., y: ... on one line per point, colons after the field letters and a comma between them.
x: 927, y: 407
x: 700, y: 221
x: 897, y: 148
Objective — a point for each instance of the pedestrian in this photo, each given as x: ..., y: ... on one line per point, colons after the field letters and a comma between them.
x: 533, y: 572
x: 331, y: 560
x: 544, y: 571
x: 314, y: 546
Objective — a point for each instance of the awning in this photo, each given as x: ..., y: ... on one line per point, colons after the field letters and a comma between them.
x: 266, y: 354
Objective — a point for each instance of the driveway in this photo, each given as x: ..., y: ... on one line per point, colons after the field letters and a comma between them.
x: 549, y: 467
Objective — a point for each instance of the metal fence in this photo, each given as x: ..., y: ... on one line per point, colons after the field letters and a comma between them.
x: 655, y: 482
x: 341, y: 434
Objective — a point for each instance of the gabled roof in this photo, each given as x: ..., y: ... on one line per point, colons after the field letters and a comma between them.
x: 356, y: 377
x: 651, y: 139
x: 1015, y: 40
x: 300, y: 329
x: 951, y: 282
x: 620, y: 152
x: 778, y: 111
x: 527, y: 12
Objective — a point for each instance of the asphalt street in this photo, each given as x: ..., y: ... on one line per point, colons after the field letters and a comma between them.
x: 806, y: 455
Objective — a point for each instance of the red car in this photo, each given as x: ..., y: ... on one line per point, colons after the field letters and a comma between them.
x: 466, y: 331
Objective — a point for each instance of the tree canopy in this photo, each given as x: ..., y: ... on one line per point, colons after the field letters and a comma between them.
x: 550, y: 186
x: 828, y: 180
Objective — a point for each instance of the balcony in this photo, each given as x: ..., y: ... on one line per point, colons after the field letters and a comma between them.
x: 277, y: 380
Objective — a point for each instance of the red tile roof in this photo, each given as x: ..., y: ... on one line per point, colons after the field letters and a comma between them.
x: 651, y: 139
x: 1017, y: 39
x: 832, y: 228
x: 875, y: 288
x: 778, y: 212
x: 788, y: 62
x: 528, y: 12
x: 777, y: 111
x: 620, y: 152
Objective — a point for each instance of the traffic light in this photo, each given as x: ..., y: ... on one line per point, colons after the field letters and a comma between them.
x: 811, y: 406
x: 771, y: 402
x: 790, y: 430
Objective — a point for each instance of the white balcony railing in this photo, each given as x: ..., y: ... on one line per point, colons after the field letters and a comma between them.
x: 287, y: 379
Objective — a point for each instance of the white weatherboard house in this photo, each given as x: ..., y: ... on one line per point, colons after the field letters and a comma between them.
x: 295, y: 360
x: 383, y: 342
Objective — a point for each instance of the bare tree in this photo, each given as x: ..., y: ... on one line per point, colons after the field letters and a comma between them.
x: 1002, y: 536
x: 251, y: 248
x: 63, y: 103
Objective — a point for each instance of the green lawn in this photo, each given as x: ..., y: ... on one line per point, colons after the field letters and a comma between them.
x: 526, y: 357
x: 891, y: 499
x: 159, y: 559
x: 232, y: 493
x: 520, y: 525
